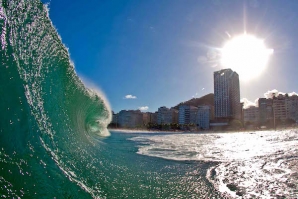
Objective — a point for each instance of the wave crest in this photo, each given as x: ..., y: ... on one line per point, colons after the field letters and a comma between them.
x: 50, y: 118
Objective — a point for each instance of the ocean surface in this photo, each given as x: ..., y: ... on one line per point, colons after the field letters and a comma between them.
x: 54, y: 142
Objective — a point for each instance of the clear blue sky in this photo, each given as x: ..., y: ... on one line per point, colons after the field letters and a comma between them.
x: 155, y: 49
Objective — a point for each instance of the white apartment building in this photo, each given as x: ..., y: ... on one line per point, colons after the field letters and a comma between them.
x: 251, y: 114
x: 130, y: 118
x: 279, y: 107
x: 146, y: 118
x: 292, y: 107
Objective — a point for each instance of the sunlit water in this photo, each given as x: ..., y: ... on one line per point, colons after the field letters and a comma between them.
x: 257, y: 164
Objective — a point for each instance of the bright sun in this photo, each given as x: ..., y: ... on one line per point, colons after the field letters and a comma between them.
x: 247, y: 55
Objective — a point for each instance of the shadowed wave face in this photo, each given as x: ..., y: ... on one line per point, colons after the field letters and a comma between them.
x: 50, y: 121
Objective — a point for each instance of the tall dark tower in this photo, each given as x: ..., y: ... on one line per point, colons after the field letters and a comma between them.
x: 227, y: 95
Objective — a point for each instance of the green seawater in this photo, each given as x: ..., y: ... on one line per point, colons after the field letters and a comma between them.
x: 53, y: 132
x: 54, y: 142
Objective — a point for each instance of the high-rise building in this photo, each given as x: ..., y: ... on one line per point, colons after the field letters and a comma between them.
x: 187, y: 114
x: 203, y: 117
x: 265, y: 110
x: 227, y: 95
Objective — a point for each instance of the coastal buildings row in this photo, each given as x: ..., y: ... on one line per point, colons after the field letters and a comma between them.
x: 186, y: 115
x: 227, y: 109
x: 276, y: 109
x: 279, y: 109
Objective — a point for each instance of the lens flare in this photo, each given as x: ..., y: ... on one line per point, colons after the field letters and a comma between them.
x: 247, y: 55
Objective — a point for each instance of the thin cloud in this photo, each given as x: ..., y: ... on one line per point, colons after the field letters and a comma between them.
x: 247, y: 103
x: 211, y: 59
x: 202, y: 59
x: 292, y: 93
x: 143, y: 108
x: 130, y: 97
x: 268, y: 94
x: 152, y: 28
x: 274, y: 92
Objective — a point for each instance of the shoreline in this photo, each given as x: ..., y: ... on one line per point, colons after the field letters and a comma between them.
x: 197, y: 131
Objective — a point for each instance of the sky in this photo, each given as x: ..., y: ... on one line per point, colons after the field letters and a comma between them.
x: 144, y: 54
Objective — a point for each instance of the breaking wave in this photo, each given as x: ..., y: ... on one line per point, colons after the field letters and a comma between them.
x: 49, y: 120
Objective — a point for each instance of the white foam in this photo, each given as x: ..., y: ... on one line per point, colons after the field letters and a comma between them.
x: 260, y: 164
x: 3, y: 33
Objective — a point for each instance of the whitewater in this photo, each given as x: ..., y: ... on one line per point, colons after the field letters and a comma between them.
x: 54, y: 141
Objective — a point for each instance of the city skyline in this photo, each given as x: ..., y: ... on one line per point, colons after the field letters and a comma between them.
x: 223, y: 113
x: 245, y: 104
x: 143, y: 60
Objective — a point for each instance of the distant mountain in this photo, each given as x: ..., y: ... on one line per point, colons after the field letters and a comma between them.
x: 205, y: 100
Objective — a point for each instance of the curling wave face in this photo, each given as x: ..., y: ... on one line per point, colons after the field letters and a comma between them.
x: 49, y: 119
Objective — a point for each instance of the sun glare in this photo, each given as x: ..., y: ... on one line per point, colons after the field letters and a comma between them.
x: 247, y: 55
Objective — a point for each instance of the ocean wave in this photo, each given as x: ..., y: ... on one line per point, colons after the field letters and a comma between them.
x: 49, y: 117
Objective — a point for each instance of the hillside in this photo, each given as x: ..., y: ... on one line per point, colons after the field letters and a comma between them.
x: 205, y: 100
